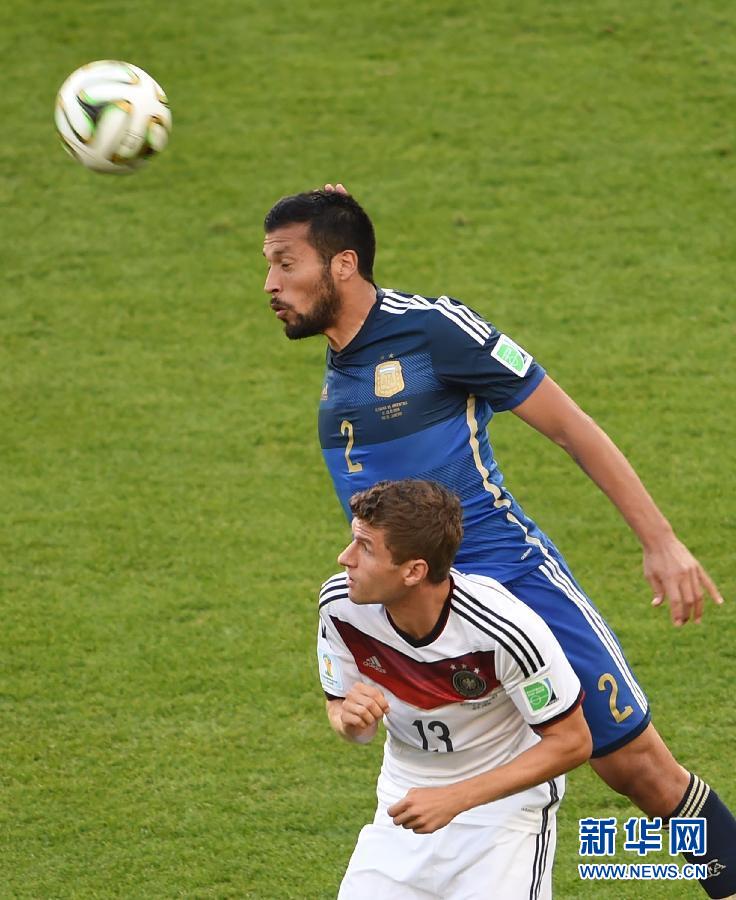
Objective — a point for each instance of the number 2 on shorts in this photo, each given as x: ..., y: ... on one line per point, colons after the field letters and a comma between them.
x: 618, y: 714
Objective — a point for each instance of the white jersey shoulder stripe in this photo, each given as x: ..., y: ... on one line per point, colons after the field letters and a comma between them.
x: 460, y: 315
x: 336, y: 578
x: 456, y: 312
x: 507, y: 625
x: 467, y: 313
x: 487, y: 621
x: 333, y: 589
x: 510, y: 645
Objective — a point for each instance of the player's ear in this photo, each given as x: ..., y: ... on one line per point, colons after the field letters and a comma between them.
x: 415, y: 571
x: 344, y: 265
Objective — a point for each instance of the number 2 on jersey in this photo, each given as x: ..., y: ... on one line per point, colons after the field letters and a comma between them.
x: 347, y: 428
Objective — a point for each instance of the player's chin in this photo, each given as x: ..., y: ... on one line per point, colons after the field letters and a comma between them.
x: 354, y: 593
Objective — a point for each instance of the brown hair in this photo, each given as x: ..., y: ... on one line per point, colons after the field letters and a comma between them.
x: 421, y: 520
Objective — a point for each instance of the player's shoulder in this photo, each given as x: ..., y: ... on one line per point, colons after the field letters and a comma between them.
x: 439, y: 315
x: 335, y: 605
x: 484, y: 588
x: 493, y: 611
x: 484, y: 596
x: 334, y: 590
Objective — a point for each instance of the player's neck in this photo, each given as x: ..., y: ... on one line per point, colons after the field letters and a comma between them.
x: 357, y: 301
x: 418, y: 613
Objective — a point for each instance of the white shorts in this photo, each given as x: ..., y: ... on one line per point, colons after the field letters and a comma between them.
x: 458, y: 862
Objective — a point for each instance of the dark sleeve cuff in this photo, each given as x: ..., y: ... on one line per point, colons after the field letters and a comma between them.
x: 564, y: 714
x: 528, y: 388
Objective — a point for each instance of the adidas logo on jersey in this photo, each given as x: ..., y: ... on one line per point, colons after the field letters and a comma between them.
x: 373, y: 662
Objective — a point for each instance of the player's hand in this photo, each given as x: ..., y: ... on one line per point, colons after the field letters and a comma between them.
x: 363, y: 708
x: 336, y: 188
x: 425, y: 810
x: 677, y: 577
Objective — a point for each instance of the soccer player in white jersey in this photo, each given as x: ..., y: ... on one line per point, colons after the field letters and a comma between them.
x: 411, y: 385
x: 482, y: 709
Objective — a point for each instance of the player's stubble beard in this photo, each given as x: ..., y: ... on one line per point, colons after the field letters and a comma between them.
x: 323, y: 314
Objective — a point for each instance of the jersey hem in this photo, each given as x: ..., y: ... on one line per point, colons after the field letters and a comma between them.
x: 564, y: 714
x: 626, y: 739
x: 525, y: 392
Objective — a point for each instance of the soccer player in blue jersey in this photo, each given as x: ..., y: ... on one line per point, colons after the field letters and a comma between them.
x: 410, y: 388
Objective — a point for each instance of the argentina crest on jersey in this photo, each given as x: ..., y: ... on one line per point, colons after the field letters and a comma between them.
x: 389, y: 378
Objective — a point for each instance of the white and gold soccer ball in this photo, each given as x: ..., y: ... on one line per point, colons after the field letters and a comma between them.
x: 112, y: 116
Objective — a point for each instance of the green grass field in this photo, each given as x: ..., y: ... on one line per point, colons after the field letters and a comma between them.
x: 566, y: 168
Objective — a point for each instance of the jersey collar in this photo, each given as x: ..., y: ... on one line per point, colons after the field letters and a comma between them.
x: 434, y: 633
x: 364, y: 329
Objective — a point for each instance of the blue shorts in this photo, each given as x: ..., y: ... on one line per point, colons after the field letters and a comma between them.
x: 615, y: 706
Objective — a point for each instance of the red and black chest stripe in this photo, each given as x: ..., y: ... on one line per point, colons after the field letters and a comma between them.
x: 425, y: 685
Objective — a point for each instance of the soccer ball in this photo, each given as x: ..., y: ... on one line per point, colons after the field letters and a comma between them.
x: 112, y: 116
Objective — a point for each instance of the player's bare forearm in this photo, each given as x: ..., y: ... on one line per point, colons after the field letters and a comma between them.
x: 553, y: 413
x: 356, y: 716
x: 564, y: 745
x: 672, y: 571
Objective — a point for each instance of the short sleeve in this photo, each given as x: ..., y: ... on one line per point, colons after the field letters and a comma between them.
x: 337, y: 669
x: 470, y: 353
x: 541, y: 682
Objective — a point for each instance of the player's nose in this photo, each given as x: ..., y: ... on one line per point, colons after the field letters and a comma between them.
x: 344, y: 559
x: 271, y: 287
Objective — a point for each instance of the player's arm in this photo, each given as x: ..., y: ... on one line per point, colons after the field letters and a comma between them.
x: 672, y: 571
x: 565, y: 744
x: 353, y: 707
x: 355, y: 717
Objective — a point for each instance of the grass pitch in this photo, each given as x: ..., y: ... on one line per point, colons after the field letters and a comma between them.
x: 567, y: 169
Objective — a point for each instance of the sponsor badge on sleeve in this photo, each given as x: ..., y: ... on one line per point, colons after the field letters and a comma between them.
x: 330, y: 673
x: 539, y: 694
x: 511, y: 355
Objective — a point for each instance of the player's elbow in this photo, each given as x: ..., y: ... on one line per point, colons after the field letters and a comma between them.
x: 583, y: 748
x: 579, y: 741
x: 573, y: 741
x: 574, y: 432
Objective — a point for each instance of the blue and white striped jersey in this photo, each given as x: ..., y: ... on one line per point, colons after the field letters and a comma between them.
x: 411, y: 396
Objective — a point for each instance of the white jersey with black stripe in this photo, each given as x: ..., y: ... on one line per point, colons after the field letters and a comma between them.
x: 464, y: 699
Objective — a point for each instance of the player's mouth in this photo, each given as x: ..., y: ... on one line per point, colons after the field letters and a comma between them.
x: 281, y: 311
